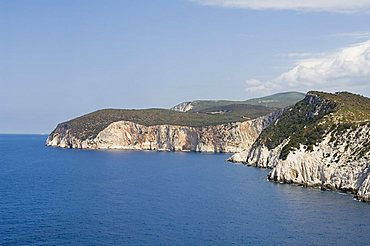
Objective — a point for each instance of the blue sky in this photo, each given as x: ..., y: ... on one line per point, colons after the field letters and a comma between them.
x: 61, y: 59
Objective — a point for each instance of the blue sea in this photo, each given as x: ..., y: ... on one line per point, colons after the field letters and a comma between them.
x: 52, y: 196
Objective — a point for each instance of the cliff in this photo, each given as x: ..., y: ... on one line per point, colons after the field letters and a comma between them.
x: 128, y: 135
x: 212, y: 126
x: 323, y: 141
x: 183, y: 107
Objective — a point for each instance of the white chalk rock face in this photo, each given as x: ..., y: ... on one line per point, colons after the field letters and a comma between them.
x: 364, y: 190
x: 126, y: 135
x: 330, y: 165
x: 183, y: 107
x: 239, y: 157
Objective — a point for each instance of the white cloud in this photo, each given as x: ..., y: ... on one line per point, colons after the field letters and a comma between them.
x: 305, y: 5
x: 306, y: 55
x: 345, y: 69
x: 354, y: 35
x: 255, y: 86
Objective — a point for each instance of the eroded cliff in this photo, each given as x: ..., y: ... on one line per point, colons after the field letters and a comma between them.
x: 228, y: 138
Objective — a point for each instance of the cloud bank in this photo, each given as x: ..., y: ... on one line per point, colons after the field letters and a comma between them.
x: 345, y: 69
x: 308, y: 5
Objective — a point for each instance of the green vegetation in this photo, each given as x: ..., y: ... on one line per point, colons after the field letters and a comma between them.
x: 309, y: 120
x: 89, y: 125
x: 279, y: 100
x: 235, y: 110
x: 351, y: 107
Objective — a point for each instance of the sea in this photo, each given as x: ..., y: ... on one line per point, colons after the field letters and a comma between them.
x: 54, y: 196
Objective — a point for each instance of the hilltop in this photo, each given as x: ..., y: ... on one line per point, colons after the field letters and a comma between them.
x: 276, y: 101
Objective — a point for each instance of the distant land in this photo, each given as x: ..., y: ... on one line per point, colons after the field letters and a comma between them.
x: 206, y: 113
x: 279, y: 100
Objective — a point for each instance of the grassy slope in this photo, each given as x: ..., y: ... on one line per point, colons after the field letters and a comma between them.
x: 342, y: 111
x: 235, y: 110
x: 279, y: 100
x: 350, y: 107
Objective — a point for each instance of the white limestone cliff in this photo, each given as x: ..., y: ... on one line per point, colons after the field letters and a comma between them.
x: 183, y: 107
x: 226, y: 138
x: 340, y: 164
x: 330, y: 165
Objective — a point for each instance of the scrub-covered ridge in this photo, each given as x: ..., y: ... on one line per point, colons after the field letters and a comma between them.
x: 217, y: 128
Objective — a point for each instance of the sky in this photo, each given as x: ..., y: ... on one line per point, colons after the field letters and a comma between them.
x: 64, y: 58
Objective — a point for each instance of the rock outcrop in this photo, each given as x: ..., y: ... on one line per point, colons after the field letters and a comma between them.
x: 127, y: 135
x: 329, y: 149
x: 183, y: 107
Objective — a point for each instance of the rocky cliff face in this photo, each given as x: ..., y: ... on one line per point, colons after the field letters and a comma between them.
x: 228, y: 138
x: 337, y: 164
x: 183, y: 107
x: 337, y: 158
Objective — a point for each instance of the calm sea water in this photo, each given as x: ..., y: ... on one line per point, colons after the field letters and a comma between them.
x: 51, y: 196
